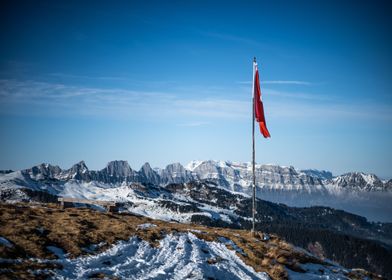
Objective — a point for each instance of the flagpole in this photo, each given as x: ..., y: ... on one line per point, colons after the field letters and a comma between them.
x: 253, y: 150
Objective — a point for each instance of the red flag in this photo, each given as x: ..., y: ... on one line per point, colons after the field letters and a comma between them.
x: 259, y: 109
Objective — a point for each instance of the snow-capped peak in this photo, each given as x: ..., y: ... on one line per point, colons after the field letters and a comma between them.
x: 231, y: 175
x: 359, y: 180
x: 193, y: 164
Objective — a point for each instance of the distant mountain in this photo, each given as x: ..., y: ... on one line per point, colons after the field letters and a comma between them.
x: 233, y: 176
x: 360, y: 193
x: 358, y: 181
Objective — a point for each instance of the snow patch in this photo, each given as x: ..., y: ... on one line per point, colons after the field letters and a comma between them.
x: 146, y: 226
x: 179, y: 256
x: 317, y: 271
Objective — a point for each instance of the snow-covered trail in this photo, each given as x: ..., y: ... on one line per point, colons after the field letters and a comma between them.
x: 179, y: 256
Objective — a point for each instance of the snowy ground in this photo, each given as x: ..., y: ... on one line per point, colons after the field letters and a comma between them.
x: 143, y: 205
x: 179, y: 256
x: 319, y: 272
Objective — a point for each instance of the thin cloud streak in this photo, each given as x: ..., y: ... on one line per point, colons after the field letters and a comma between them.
x: 39, y: 98
x: 63, y: 99
x: 112, y: 78
x: 300, y: 95
x: 344, y: 112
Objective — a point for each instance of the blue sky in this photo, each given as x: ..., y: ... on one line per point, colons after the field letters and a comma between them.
x: 170, y: 81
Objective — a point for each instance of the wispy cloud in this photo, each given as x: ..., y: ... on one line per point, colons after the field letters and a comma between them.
x: 51, y: 98
x: 41, y: 98
x: 66, y: 77
x: 339, y: 111
x: 298, y: 95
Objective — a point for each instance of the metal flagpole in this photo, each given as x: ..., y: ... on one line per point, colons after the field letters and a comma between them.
x: 253, y: 150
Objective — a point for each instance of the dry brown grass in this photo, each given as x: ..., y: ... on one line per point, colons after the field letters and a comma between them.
x: 32, y: 228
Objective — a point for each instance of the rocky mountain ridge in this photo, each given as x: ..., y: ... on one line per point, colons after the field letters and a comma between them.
x: 359, y: 193
x: 233, y: 176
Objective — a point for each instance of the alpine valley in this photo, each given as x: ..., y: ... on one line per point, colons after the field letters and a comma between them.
x: 309, y: 208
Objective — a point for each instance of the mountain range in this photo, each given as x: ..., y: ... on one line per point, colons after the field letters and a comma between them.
x: 356, y: 192
x: 233, y: 176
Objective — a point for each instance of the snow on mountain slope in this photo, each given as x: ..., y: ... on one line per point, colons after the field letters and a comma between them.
x: 357, y: 181
x: 155, y: 203
x: 178, y: 256
x: 313, y: 272
x: 95, y: 191
x: 21, y: 180
x: 13, y: 180
x: 193, y: 164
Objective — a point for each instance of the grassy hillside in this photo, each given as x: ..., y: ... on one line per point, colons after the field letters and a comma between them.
x: 32, y: 228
